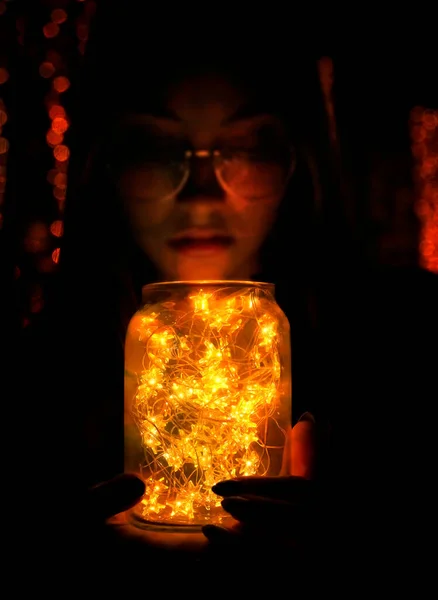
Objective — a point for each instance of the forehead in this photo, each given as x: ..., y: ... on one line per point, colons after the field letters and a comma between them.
x: 212, y: 98
x: 205, y: 107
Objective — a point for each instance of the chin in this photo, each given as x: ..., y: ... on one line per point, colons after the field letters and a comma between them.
x: 200, y: 273
x: 188, y: 268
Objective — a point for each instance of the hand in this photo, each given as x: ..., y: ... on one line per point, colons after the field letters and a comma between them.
x: 124, y: 547
x: 281, y: 510
x: 112, y: 497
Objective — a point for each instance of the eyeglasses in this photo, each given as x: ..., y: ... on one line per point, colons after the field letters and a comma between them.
x: 253, y: 175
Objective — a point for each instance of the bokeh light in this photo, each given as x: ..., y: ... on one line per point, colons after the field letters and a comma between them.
x: 59, y: 124
x: 47, y: 69
x: 54, y: 138
x: 56, y: 254
x: 61, y: 83
x: 50, y: 30
x: 56, y: 110
x: 4, y: 75
x: 57, y: 228
x: 4, y: 145
x: 58, y: 16
x: 424, y: 136
x: 61, y: 153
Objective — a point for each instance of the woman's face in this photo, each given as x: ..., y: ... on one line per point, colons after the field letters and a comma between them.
x: 201, y: 180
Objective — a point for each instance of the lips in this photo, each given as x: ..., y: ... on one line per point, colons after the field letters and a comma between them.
x: 201, y: 243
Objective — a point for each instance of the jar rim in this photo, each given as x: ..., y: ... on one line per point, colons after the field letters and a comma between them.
x: 209, y: 283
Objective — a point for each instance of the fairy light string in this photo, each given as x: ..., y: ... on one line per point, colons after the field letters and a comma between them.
x: 207, y: 398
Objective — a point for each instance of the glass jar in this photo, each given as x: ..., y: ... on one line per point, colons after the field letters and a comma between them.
x: 207, y: 395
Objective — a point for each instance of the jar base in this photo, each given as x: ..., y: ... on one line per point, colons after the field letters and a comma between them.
x: 143, y: 523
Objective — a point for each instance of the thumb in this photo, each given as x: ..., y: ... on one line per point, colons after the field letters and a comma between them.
x: 111, y: 497
x: 299, y: 455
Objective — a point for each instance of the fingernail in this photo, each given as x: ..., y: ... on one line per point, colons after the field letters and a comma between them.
x: 307, y: 417
x: 127, y: 486
x: 226, y: 488
x: 235, y: 506
x: 216, y: 533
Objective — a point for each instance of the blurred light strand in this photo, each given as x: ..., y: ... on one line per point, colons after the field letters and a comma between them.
x: 424, y: 136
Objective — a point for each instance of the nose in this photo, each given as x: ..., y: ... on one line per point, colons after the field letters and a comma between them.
x: 202, y: 184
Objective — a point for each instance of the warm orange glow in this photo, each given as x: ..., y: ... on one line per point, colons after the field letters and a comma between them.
x: 4, y: 75
x: 3, y: 117
x: 58, y: 15
x: 61, y: 84
x: 207, y: 398
x: 50, y: 30
x: 46, y: 69
x: 57, y: 228
x: 53, y: 138
x: 61, y: 153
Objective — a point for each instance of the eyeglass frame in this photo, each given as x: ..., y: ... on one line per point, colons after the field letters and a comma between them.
x: 215, y: 153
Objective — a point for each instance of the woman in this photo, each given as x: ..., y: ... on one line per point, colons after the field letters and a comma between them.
x: 237, y: 193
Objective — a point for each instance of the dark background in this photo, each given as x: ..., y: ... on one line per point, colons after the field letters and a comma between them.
x: 382, y: 109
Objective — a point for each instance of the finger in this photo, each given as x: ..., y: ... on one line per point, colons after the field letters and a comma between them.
x: 224, y: 535
x: 300, y: 450
x: 114, y: 496
x: 264, y: 512
x: 283, y: 488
